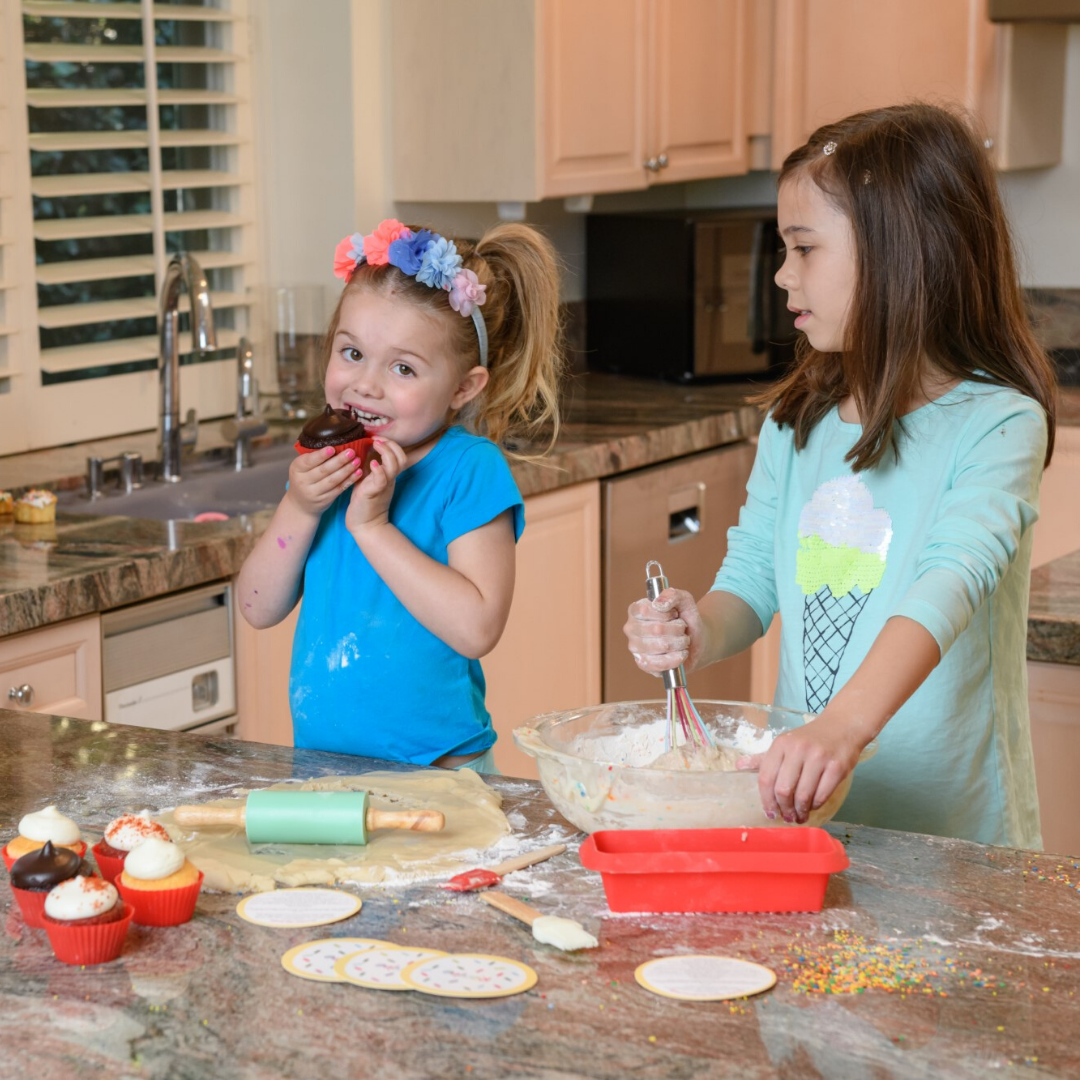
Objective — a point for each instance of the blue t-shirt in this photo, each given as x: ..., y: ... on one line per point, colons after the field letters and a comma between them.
x: 943, y: 538
x: 366, y: 677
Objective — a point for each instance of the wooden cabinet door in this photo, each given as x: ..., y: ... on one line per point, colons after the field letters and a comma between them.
x: 263, y: 658
x: 54, y: 670
x: 591, y: 99
x: 549, y: 654
x: 836, y: 57
x: 698, y: 80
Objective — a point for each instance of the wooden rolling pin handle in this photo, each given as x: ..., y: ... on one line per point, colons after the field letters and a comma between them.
x: 530, y: 858
x: 417, y: 820
x: 209, y: 815
x: 515, y: 908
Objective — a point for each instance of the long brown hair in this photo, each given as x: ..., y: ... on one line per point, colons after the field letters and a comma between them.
x: 521, y: 314
x: 936, y: 279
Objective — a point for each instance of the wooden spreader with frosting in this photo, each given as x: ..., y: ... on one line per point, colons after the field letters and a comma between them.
x: 309, y: 817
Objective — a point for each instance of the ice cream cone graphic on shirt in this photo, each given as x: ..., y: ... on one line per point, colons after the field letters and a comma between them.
x: 843, y: 543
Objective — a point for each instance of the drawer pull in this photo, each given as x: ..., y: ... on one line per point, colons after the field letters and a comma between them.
x: 21, y: 695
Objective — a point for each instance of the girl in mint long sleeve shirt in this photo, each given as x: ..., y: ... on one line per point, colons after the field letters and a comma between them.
x: 889, y: 513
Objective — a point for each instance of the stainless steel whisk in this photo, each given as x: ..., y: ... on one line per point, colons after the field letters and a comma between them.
x: 683, y: 718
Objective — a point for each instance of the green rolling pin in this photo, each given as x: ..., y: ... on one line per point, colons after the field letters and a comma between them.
x: 309, y: 817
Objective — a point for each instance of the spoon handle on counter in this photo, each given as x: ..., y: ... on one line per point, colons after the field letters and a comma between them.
x: 515, y: 908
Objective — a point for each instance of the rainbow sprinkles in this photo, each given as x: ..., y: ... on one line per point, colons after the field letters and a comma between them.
x: 425, y: 255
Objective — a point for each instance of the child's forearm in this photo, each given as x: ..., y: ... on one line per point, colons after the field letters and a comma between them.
x: 444, y: 600
x: 898, y: 663
x: 268, y: 585
x: 729, y: 625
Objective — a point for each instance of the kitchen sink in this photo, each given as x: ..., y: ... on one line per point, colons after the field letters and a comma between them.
x: 208, y: 486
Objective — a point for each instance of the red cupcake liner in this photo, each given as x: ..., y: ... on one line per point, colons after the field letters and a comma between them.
x: 32, y: 905
x: 162, y: 907
x: 364, y: 448
x: 9, y: 860
x: 109, y: 865
x: 97, y: 943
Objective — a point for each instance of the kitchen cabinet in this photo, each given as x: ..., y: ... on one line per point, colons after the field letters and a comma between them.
x: 1057, y: 532
x: 549, y: 655
x: 836, y: 57
x: 569, y: 96
x: 1054, y: 701
x: 262, y: 679
x: 54, y: 670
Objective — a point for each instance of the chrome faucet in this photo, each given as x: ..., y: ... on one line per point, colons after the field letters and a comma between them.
x: 182, y: 270
x: 246, y: 425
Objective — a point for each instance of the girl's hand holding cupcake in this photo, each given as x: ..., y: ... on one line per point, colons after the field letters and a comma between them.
x: 370, y: 501
x: 318, y: 478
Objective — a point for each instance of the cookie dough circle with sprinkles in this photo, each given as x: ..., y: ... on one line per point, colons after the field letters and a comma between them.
x: 316, y: 959
x: 704, y: 978
x: 380, y: 969
x: 470, y: 975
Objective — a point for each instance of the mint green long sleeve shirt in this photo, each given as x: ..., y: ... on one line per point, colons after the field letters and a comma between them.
x: 943, y: 537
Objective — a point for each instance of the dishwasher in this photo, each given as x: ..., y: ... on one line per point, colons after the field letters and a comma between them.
x: 168, y: 663
x: 678, y: 513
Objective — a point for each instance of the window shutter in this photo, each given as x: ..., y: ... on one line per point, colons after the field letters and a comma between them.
x: 137, y: 143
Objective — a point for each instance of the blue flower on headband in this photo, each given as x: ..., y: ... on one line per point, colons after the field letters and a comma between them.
x: 407, y: 252
x: 440, y: 264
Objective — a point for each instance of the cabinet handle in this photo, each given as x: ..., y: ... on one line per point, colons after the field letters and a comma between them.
x: 662, y: 161
x: 653, y: 164
x: 21, y: 695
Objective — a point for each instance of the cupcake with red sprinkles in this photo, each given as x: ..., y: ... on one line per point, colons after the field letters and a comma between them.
x: 122, y: 835
x: 86, y: 920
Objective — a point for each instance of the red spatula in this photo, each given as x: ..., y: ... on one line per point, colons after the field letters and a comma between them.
x: 482, y: 878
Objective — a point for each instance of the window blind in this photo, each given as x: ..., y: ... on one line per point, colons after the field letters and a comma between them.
x: 136, y: 143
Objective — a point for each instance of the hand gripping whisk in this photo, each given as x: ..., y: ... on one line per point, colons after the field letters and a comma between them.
x: 684, y: 722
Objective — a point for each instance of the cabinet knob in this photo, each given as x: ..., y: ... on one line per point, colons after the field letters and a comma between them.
x: 662, y: 161
x: 653, y: 165
x: 21, y: 695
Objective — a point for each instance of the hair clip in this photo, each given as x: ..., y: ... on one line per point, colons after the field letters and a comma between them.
x: 829, y: 148
x: 866, y: 177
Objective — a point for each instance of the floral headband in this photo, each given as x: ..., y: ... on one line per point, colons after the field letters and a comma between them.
x: 425, y: 255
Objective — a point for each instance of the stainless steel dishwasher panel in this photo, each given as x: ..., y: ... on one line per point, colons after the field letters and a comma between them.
x: 678, y: 513
x: 168, y: 663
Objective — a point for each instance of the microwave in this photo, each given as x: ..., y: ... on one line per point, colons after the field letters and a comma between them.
x: 687, y: 296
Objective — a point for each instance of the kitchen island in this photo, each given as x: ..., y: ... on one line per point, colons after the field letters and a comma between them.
x: 944, y: 958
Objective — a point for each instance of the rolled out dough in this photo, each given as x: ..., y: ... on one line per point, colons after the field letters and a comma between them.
x: 474, y: 821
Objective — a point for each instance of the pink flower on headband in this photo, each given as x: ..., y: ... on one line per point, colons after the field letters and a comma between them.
x: 347, y: 254
x: 377, y: 243
x: 466, y: 292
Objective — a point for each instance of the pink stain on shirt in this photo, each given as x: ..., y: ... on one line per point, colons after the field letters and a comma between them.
x: 281, y: 543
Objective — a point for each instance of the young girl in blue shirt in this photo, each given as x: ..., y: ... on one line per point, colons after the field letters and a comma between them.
x: 888, y: 515
x: 442, y: 349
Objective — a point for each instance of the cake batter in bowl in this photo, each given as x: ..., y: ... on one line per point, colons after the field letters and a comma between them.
x: 599, y: 766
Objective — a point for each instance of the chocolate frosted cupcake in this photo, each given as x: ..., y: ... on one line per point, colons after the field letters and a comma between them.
x: 337, y: 428
x: 34, y: 874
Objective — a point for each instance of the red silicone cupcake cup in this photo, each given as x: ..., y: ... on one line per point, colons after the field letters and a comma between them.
x: 109, y: 865
x: 32, y: 905
x: 97, y: 943
x: 364, y: 449
x: 9, y: 860
x: 162, y: 907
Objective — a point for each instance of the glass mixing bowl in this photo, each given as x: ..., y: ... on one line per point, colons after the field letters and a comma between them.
x: 594, y: 765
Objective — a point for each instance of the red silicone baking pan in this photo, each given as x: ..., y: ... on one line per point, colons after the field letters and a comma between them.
x: 659, y: 870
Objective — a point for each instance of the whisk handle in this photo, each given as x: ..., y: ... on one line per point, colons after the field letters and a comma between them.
x: 655, y: 583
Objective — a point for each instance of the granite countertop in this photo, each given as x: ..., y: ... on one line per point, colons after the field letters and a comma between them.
x: 980, y: 944
x: 1054, y: 611
x: 87, y: 564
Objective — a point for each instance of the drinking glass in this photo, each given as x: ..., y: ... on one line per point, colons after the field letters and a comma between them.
x: 299, y: 322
